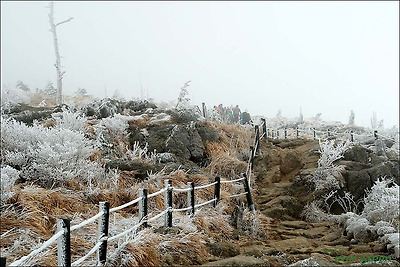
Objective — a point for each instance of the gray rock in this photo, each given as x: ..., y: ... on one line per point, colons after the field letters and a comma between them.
x: 290, y: 162
x: 357, y: 182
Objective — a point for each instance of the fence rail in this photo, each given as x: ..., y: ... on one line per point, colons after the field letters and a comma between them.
x: 63, y: 234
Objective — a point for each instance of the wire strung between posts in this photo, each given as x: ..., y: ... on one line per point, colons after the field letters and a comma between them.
x: 387, y: 138
x: 204, y: 186
x: 93, y: 250
x: 157, y: 193
x: 37, y: 251
x: 232, y: 181
x: 126, y: 204
x: 238, y: 195
x: 181, y: 189
x: 205, y: 203
x: 90, y: 220
x: 182, y: 209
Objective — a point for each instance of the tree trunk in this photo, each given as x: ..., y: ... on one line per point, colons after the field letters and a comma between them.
x: 58, y: 58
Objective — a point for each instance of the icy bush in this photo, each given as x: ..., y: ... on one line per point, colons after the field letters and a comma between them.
x: 327, y: 174
x: 8, y: 177
x: 382, y: 202
x: 392, y: 241
x: 47, y: 154
x: 69, y: 120
x: 11, y: 97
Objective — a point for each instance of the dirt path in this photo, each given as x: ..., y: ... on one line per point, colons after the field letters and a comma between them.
x: 289, y: 239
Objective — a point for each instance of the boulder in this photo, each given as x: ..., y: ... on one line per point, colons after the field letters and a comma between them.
x: 182, y: 140
x: 290, y: 162
x: 357, y: 182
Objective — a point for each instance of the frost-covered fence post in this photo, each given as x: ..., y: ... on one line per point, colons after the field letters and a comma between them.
x: 351, y: 136
x: 217, y: 190
x: 204, y: 109
x: 168, y: 203
x: 314, y: 134
x: 190, y: 199
x: 103, y: 232
x: 250, y: 203
x: 268, y: 135
x: 64, y: 243
x: 329, y: 133
x: 264, y: 123
x: 251, y: 157
x: 297, y: 132
x: 285, y: 133
x: 2, y: 262
x: 376, y: 134
x: 272, y: 135
x: 143, y: 205
x: 277, y: 133
x: 257, y: 141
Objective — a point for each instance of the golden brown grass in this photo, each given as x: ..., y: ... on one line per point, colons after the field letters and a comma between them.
x: 37, y: 209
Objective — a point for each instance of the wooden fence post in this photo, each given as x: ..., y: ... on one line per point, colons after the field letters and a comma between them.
x: 190, y: 199
x: 264, y: 127
x: 285, y: 133
x: 277, y: 133
x: 257, y: 141
x: 251, y: 157
x: 351, y: 136
x: 272, y: 130
x: 64, y: 243
x: 102, y: 232
x: 168, y: 203
x: 143, y: 206
x: 204, y: 109
x: 217, y: 190
x: 376, y: 134
x: 250, y: 203
x: 329, y: 133
x: 297, y: 132
x: 314, y: 134
x: 3, y: 262
x: 268, y: 135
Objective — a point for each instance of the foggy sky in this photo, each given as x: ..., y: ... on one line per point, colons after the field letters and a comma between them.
x: 327, y: 57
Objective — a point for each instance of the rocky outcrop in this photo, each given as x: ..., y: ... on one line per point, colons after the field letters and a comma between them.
x: 186, y: 141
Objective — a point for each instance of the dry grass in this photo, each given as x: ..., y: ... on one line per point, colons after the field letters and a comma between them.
x: 228, y: 157
x: 35, y: 210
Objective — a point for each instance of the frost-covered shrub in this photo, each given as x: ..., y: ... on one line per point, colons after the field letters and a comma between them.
x: 13, y: 96
x: 69, y: 120
x: 382, y: 202
x: 47, y: 154
x: 8, y: 177
x: 327, y: 174
x: 392, y: 241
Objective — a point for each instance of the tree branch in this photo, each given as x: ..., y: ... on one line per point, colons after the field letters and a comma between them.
x: 65, y: 21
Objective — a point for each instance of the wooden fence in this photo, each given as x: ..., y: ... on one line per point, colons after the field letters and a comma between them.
x: 64, y: 229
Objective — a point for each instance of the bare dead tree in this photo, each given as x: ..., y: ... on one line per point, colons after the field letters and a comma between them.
x: 60, y: 73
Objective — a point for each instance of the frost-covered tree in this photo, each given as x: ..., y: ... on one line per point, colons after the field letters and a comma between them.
x: 351, y: 118
x: 81, y: 92
x: 49, y: 89
x: 22, y: 86
x: 58, y: 66
x: 301, y: 117
x: 183, y: 99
